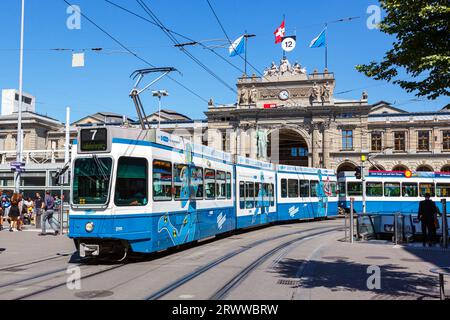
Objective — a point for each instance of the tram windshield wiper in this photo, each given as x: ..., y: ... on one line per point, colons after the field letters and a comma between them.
x: 101, y: 168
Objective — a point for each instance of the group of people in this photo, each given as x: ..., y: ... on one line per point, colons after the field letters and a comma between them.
x: 17, y: 210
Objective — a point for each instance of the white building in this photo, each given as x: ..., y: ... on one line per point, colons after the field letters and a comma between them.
x: 10, y: 102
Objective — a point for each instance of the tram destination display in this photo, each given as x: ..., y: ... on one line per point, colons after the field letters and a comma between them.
x: 94, y: 140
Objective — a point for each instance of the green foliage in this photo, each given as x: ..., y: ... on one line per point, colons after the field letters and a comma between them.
x: 421, y: 29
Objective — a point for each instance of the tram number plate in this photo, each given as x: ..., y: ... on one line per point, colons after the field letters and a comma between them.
x: 93, y: 140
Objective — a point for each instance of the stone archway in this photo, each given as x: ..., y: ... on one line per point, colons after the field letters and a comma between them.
x: 293, y: 148
x: 424, y: 168
x: 400, y: 167
x: 346, y: 166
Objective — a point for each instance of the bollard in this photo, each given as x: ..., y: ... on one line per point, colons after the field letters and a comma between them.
x: 351, y: 220
x: 395, y: 228
x: 444, y: 224
x: 345, y: 225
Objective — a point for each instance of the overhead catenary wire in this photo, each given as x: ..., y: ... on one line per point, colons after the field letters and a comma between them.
x: 155, y: 19
x: 133, y: 53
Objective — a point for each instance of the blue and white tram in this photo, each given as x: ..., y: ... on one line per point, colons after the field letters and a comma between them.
x: 306, y: 193
x: 255, y: 204
x: 146, y: 191
x: 390, y: 192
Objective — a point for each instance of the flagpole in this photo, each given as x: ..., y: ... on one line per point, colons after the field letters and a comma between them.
x: 326, y: 46
x: 245, y: 59
x: 284, y: 52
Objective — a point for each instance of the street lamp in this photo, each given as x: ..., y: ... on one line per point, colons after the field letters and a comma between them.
x: 160, y: 94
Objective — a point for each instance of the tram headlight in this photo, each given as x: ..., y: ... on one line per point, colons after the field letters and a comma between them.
x: 89, y: 226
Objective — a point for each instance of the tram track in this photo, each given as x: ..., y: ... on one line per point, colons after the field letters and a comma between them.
x: 29, y: 263
x: 60, y: 284
x: 203, y: 269
x: 223, y: 292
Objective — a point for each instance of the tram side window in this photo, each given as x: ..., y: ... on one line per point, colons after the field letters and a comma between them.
x: 220, y: 185
x: 342, y: 189
x: 210, y: 184
x: 333, y: 189
x: 197, y: 182
x: 241, y: 195
x: 426, y: 188
x: 180, y: 181
x: 354, y: 189
x: 258, y: 194
x: 283, y: 188
x: 304, y: 188
x: 266, y: 195
x: 391, y: 189
x: 374, y: 189
x: 293, y: 188
x: 250, y: 195
x: 409, y: 189
x: 132, y: 182
x: 162, y: 180
x: 228, y: 185
x: 272, y: 194
x: 443, y: 190
x: 314, y: 185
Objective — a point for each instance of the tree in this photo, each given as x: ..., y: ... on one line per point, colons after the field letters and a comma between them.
x: 421, y: 49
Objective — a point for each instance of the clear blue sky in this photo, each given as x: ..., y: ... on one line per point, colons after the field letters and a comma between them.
x: 104, y: 84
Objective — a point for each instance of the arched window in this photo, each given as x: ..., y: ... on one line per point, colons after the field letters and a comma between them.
x: 446, y: 168
x: 424, y: 168
x: 377, y: 168
x: 400, y: 167
x: 346, y: 166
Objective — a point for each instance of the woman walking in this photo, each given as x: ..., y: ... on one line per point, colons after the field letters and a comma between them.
x: 14, y: 212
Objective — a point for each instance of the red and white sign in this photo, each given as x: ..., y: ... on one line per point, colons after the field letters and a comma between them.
x: 279, y: 33
x: 270, y: 105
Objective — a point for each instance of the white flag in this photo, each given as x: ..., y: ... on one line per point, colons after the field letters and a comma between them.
x: 78, y: 60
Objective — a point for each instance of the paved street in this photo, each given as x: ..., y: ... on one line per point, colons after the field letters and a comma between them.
x: 300, y: 261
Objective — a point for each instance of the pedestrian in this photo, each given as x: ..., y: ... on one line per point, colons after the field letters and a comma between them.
x: 14, y: 212
x: 6, y: 205
x: 427, y: 217
x: 29, y: 210
x: 23, y: 211
x: 37, y: 209
x: 2, y: 210
x: 48, y: 206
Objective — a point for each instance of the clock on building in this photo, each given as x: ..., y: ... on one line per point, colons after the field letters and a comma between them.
x: 283, y: 95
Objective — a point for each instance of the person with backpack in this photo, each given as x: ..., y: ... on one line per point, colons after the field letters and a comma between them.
x: 48, y: 206
x: 428, y: 216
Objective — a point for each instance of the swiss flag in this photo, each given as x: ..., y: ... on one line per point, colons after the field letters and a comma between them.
x: 279, y: 33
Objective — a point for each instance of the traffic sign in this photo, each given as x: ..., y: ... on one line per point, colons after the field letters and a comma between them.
x: 17, y: 164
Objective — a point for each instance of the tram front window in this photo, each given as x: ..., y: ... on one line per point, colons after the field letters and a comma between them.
x: 91, y: 180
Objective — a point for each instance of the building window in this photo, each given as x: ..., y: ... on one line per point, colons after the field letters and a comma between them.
x: 225, y: 142
x: 347, y: 139
x: 423, y: 141
x: 446, y: 140
x: 376, y: 141
x: 399, y: 141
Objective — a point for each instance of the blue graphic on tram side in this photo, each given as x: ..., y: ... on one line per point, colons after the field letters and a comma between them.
x: 322, y: 208
x: 262, y: 206
x: 187, y: 230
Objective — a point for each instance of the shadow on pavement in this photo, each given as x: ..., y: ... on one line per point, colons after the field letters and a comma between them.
x: 342, y: 275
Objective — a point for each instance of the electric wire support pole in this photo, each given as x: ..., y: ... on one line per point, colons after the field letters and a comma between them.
x: 135, y: 92
x: 363, y: 179
x: 19, y: 111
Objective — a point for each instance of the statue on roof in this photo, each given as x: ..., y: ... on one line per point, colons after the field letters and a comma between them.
x: 297, y: 69
x: 285, y: 66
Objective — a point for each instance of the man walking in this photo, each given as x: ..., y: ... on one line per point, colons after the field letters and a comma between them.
x: 48, y: 206
x: 37, y: 210
x: 427, y: 214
